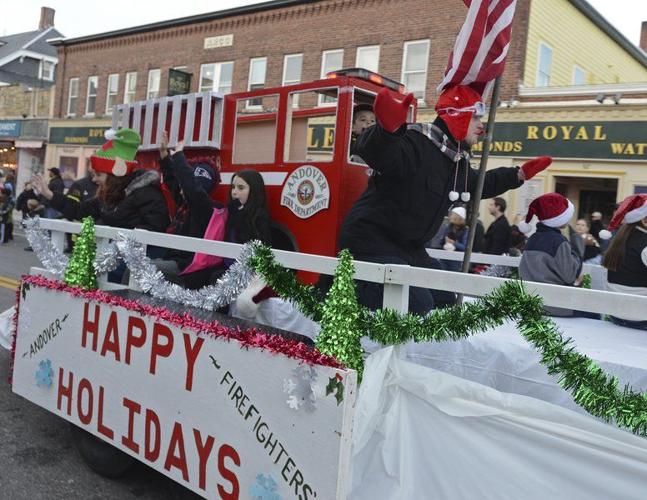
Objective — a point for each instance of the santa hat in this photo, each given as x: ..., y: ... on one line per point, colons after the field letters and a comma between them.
x: 455, y: 107
x: 552, y: 210
x: 246, y: 303
x: 632, y: 209
x: 117, y: 156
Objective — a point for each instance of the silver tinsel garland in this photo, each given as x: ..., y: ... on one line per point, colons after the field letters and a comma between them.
x: 56, y: 261
x: 211, y: 297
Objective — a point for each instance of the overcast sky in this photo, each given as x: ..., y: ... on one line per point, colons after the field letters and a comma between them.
x: 99, y: 16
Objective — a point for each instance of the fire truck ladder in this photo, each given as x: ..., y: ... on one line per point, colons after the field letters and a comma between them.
x: 209, y: 105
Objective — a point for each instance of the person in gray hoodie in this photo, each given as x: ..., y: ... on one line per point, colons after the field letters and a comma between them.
x: 549, y: 257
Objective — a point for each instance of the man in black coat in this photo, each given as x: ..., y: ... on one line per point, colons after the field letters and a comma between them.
x: 497, y: 236
x: 417, y: 171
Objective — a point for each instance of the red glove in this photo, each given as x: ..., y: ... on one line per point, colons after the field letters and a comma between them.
x: 533, y: 167
x: 265, y: 293
x: 390, y: 112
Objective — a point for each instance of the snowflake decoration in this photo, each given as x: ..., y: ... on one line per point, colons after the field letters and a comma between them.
x: 44, y: 374
x: 300, y: 390
x: 264, y: 488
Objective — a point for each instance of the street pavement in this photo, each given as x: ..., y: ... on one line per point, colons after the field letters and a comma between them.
x: 37, y: 457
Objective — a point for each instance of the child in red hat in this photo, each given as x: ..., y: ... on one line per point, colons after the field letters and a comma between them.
x: 626, y: 258
x: 549, y: 257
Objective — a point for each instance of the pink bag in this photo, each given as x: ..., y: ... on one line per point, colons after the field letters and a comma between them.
x: 216, y: 232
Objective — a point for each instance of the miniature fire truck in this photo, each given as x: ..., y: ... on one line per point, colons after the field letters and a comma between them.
x: 299, y: 137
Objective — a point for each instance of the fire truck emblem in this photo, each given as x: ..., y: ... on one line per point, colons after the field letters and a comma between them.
x: 306, y: 192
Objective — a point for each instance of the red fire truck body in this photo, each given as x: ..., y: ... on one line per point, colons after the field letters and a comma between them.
x: 298, y: 137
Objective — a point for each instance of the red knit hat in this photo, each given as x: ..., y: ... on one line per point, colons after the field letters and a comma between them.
x: 552, y: 210
x: 456, y: 105
x: 632, y: 209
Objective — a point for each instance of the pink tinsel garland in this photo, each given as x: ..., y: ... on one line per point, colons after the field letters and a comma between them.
x: 247, y: 338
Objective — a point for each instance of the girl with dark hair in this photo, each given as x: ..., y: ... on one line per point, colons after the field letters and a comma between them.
x: 626, y: 258
x: 249, y: 218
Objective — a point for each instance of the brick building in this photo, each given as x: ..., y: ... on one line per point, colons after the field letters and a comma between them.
x: 287, y: 41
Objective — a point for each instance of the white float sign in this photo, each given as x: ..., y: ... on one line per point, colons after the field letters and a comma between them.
x: 225, y: 421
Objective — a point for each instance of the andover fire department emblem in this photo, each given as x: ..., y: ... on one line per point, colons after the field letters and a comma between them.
x: 306, y: 191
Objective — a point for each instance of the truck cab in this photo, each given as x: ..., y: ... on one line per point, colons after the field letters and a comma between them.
x: 299, y: 137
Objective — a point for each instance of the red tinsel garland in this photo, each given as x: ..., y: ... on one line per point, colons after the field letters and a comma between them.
x: 247, y: 338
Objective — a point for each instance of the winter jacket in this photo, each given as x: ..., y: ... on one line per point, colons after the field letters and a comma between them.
x: 408, y: 192
x: 82, y: 189
x: 632, y: 271
x: 142, y: 207
x: 56, y: 185
x: 195, y: 206
x: 239, y: 229
x: 6, y: 210
x: 23, y: 198
x: 459, y: 235
x: 549, y: 258
x: 497, y: 237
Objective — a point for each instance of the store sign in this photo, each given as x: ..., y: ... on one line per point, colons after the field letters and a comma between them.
x: 216, y: 42
x: 321, y: 138
x: 179, y: 82
x: 306, y: 192
x: 222, y: 420
x: 81, y: 136
x: 9, y: 128
x: 595, y: 140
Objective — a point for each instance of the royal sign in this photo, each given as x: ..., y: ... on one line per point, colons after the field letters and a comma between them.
x: 226, y: 422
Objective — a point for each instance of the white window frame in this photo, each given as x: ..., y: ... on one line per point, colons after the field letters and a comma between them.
x: 539, y: 72
x: 130, y: 95
x: 110, y: 94
x: 41, y: 72
x: 364, y: 48
x: 87, y: 96
x: 217, y: 73
x: 252, y: 60
x: 285, y: 81
x: 577, y: 68
x: 72, y: 112
x: 324, y: 54
x: 149, y: 89
x: 404, y: 71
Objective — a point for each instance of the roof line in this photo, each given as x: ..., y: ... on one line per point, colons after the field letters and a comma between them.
x: 171, y: 23
x: 594, y: 16
x: 41, y: 34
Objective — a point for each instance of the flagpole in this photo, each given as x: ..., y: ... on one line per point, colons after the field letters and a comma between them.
x: 478, y: 192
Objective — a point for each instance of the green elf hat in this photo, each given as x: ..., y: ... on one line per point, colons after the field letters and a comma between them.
x: 117, y: 156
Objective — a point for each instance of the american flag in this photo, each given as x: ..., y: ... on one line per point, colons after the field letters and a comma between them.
x: 482, y: 45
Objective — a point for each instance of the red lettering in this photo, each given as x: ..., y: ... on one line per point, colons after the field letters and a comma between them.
x: 65, y: 391
x: 111, y: 340
x: 133, y: 408
x: 133, y: 340
x: 101, y: 428
x: 191, y: 355
x: 204, y: 450
x: 90, y: 326
x: 152, y: 421
x: 227, y: 451
x: 84, y: 385
x: 173, y: 460
x: 160, y: 349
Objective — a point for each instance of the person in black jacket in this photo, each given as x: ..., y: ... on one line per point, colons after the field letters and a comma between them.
x: 417, y: 171
x: 497, y: 236
x: 27, y: 194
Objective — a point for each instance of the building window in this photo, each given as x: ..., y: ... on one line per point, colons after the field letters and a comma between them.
x: 331, y: 60
x: 292, y: 64
x: 91, y: 101
x: 414, y: 67
x: 216, y: 77
x: 579, y: 76
x: 113, y: 90
x: 131, y: 87
x: 544, y: 65
x: 153, y: 84
x: 73, y: 94
x: 47, y: 70
x: 257, y: 70
x: 368, y: 58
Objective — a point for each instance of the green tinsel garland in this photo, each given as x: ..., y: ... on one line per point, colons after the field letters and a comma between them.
x: 594, y: 390
x: 80, y: 270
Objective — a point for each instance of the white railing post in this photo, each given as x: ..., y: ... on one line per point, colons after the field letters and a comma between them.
x: 396, y: 295
x: 102, y: 244
x: 58, y: 239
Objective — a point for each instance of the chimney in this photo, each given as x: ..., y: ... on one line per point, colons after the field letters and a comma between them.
x: 46, y: 18
x: 643, y: 36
